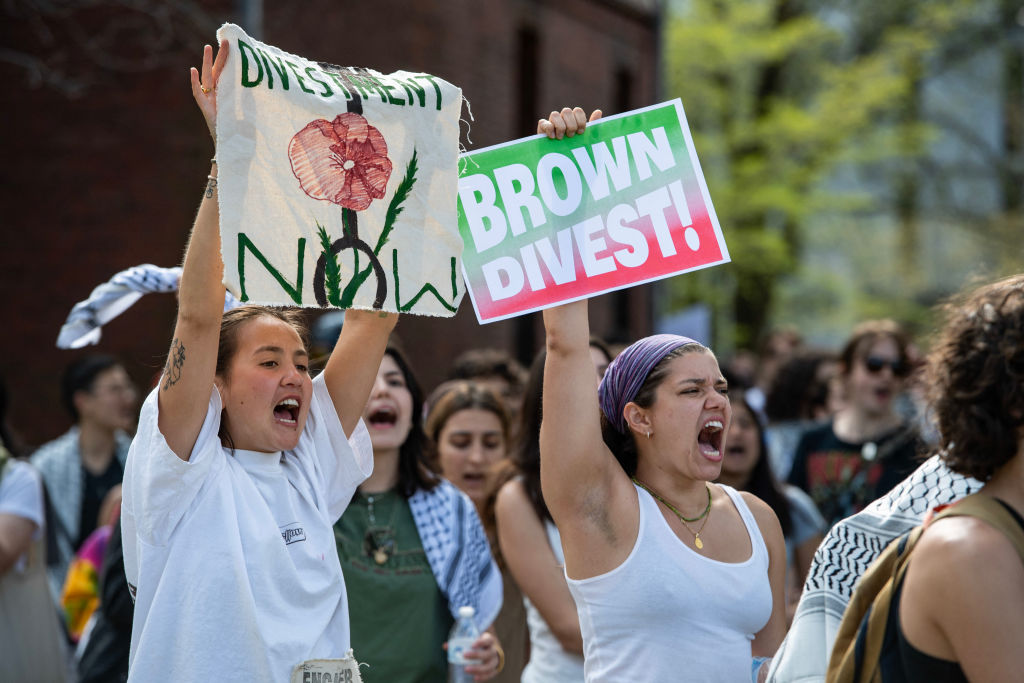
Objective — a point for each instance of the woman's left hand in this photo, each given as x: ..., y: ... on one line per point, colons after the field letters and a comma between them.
x: 488, y: 652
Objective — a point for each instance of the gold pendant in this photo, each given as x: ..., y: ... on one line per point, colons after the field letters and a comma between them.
x: 699, y: 543
x: 380, y: 556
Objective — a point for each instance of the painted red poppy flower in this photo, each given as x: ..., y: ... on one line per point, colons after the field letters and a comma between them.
x: 344, y: 161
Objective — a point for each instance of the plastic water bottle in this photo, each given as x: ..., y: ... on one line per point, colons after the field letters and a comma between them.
x: 460, y: 641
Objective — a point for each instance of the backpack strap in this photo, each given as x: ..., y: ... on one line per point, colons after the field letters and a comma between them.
x: 862, y: 632
x: 990, y: 511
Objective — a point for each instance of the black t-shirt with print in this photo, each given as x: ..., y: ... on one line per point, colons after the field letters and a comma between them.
x: 843, y: 477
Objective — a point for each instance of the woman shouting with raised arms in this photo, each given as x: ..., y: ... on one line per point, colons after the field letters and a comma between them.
x: 674, y: 577
x: 240, y: 466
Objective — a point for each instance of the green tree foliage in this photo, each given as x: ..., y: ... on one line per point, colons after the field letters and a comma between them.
x: 810, y: 113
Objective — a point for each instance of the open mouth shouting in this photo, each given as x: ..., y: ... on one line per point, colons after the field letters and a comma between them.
x: 382, y: 417
x: 287, y: 412
x: 709, y: 440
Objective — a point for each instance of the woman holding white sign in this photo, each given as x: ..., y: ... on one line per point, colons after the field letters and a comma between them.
x: 673, y: 576
x: 240, y: 466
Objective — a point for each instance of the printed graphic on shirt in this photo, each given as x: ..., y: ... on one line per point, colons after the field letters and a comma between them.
x: 841, y: 483
x: 292, y: 533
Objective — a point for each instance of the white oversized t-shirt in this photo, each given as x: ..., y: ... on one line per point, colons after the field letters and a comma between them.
x: 21, y: 495
x: 232, y: 555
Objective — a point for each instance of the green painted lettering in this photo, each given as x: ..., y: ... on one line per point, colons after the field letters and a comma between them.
x: 357, y: 82
x: 403, y: 308
x: 311, y: 74
x: 387, y: 87
x: 294, y: 291
x: 246, y: 81
x: 437, y: 88
x: 298, y: 78
x: 278, y: 67
x: 420, y: 90
x: 340, y: 82
x: 371, y: 82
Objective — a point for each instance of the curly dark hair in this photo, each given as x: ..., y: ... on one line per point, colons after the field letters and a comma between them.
x: 976, y: 378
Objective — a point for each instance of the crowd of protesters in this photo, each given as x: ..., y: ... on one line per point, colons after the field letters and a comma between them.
x: 646, y: 515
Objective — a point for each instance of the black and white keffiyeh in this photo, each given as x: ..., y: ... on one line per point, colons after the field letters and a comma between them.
x: 844, y: 556
x: 114, y: 297
x: 457, y: 551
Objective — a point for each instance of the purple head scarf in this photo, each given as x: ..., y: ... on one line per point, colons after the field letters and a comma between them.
x: 626, y: 374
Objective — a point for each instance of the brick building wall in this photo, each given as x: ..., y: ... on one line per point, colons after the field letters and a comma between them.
x: 110, y: 178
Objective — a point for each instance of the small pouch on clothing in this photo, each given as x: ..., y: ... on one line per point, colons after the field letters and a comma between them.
x: 328, y: 671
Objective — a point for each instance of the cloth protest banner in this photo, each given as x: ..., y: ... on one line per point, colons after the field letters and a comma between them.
x: 337, y: 185
x: 547, y: 221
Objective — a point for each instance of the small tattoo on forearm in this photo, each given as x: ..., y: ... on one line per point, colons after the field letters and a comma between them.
x: 175, y: 361
x: 211, y: 185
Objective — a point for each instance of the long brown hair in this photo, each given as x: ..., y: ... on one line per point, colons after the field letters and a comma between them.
x: 456, y: 397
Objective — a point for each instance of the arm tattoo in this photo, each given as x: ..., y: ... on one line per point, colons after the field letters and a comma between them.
x: 175, y: 361
x: 211, y: 185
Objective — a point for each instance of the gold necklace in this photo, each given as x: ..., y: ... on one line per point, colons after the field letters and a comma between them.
x: 706, y: 515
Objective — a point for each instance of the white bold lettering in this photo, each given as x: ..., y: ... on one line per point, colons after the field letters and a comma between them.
x: 560, y: 206
x: 653, y: 204
x: 496, y: 285
x: 532, y: 268
x: 562, y: 265
x: 478, y: 205
x: 589, y: 246
x: 605, y: 164
x: 622, y: 233
x: 507, y: 178
x: 645, y: 151
x: 675, y: 188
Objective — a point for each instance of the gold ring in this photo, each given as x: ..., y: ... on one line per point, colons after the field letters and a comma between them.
x: 205, y: 89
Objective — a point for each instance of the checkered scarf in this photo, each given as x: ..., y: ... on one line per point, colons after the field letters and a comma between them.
x: 844, y: 556
x: 114, y: 297
x: 457, y: 551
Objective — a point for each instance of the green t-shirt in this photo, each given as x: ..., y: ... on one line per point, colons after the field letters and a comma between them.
x: 399, y: 618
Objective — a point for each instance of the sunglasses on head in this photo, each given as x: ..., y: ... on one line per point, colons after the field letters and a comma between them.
x: 875, y: 365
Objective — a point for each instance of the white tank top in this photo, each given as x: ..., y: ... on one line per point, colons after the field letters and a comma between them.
x: 548, y: 661
x: 668, y: 613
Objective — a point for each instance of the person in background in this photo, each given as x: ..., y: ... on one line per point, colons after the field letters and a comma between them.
x: 104, y: 657
x: 866, y: 448
x: 652, y: 548
x: 529, y: 540
x: 31, y: 642
x: 81, y: 593
x: 802, y: 393
x: 81, y: 467
x: 468, y: 432
x: 775, y: 349
x: 497, y: 370
x: 745, y: 467
x: 412, y: 548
